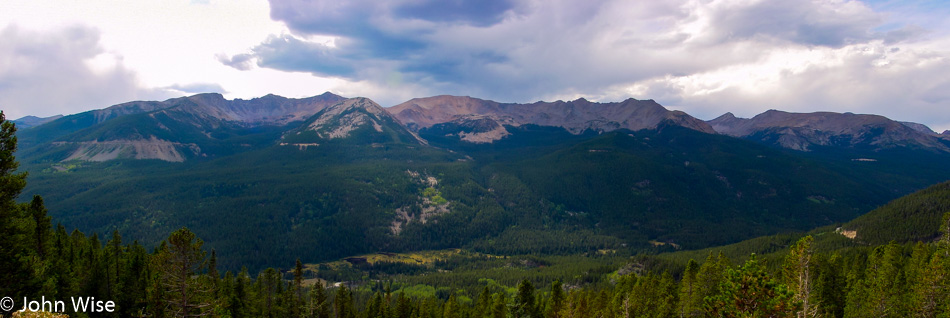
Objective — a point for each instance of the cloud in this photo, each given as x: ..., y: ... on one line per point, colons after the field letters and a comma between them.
x: 820, y: 23
x: 906, y: 84
x: 196, y: 88
x: 694, y: 54
x: 289, y: 53
x: 49, y: 73
x: 242, y: 62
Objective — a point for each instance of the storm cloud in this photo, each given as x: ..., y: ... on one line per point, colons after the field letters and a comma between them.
x: 693, y: 55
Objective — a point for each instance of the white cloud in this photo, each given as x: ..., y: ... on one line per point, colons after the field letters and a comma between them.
x: 702, y: 56
x: 160, y: 48
x: 61, y: 72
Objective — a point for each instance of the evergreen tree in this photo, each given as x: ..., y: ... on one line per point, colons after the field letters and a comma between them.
x: 500, y: 306
x: 41, y: 226
x: 689, y: 301
x: 133, y: 282
x: 179, y: 262
x: 239, y: 298
x: 525, y: 303
x: 483, y: 306
x: 749, y: 292
x: 557, y: 300
x: 879, y: 293
x: 830, y: 285
x: 15, y: 276
x: 451, y: 308
x: 403, y: 307
x: 709, y: 277
x: 797, y: 272
x: 297, y: 289
x: 343, y: 303
x: 319, y: 306
x: 931, y: 293
x: 268, y: 290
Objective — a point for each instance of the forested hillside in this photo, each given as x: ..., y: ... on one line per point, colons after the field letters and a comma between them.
x: 384, y: 190
x: 179, y: 278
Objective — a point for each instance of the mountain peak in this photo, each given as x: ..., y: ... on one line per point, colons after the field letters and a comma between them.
x: 726, y: 116
x: 575, y: 116
x: 802, y: 131
x: 33, y: 121
x: 360, y: 118
x: 208, y: 97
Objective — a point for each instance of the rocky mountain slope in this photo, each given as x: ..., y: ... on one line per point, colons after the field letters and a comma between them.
x: 173, y: 130
x: 485, y: 119
x: 182, y: 128
x: 349, y: 119
x: 302, y: 173
x: 805, y: 131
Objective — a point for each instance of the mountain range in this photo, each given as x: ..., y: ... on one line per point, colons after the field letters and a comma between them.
x: 272, y: 178
x: 209, y: 119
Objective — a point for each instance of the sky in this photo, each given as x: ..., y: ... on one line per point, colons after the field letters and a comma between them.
x: 705, y: 57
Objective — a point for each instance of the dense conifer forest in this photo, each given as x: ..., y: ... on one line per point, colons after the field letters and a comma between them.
x: 180, y: 277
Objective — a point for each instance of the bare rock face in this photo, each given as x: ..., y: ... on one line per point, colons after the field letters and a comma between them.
x: 344, y: 119
x: 152, y: 148
x: 339, y: 120
x: 803, y: 131
x: 575, y: 116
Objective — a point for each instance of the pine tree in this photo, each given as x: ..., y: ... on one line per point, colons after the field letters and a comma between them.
x: 797, y: 272
x: 343, y: 303
x: 483, y: 306
x: 268, y: 289
x: 112, y: 258
x: 689, y: 302
x: 15, y: 276
x: 499, y: 306
x: 179, y: 262
x: 709, y: 277
x: 830, y: 285
x: 41, y: 226
x: 319, y: 307
x: 879, y: 293
x: 239, y: 298
x: 750, y: 292
x: 931, y: 293
x: 403, y: 307
x: 297, y: 289
x: 525, y: 303
x: 133, y: 282
x: 451, y: 308
x: 557, y: 299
